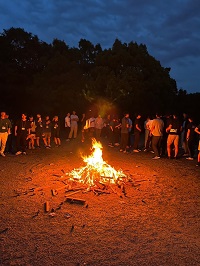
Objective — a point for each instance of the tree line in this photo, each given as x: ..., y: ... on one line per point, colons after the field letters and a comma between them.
x: 55, y: 78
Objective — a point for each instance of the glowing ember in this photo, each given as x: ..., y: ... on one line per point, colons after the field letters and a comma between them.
x: 96, y: 169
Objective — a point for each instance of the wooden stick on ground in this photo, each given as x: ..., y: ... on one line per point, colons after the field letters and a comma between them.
x: 75, y: 200
x: 47, y: 206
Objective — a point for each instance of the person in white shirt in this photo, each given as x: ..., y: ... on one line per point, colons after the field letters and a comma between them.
x: 67, y: 125
x: 147, y: 138
x: 74, y: 125
x: 92, y: 126
x: 98, y: 126
x: 157, y: 127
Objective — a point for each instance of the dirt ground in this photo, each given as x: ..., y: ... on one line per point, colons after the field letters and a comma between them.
x: 156, y: 223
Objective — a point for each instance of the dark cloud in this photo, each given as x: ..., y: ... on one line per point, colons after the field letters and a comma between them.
x: 170, y: 29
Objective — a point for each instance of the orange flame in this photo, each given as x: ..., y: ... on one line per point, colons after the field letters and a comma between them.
x: 96, y: 168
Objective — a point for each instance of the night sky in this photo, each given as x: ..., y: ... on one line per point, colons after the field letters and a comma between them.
x: 169, y: 28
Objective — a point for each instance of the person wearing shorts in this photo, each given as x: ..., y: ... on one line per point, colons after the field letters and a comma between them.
x: 38, y: 130
x: 174, y: 130
x: 31, y: 137
x: 5, y: 127
x: 56, y: 130
x: 197, y: 130
x: 47, y: 132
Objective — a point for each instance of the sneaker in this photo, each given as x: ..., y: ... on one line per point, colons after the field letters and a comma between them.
x: 2, y: 154
x: 18, y: 153
x: 145, y: 149
x: 135, y: 151
x: 152, y: 151
x: 156, y: 157
x: 185, y: 154
x: 117, y: 144
x: 190, y: 158
x: 24, y: 153
x: 124, y: 151
x: 120, y: 150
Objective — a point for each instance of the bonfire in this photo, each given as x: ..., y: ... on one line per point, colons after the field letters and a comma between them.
x: 96, y: 169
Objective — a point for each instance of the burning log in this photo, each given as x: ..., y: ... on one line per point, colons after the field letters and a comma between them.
x: 100, y: 185
x: 96, y: 176
x: 96, y: 171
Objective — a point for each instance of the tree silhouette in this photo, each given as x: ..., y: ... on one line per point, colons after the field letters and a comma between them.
x: 54, y: 78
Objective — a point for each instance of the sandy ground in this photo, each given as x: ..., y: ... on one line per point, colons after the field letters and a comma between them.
x: 156, y: 223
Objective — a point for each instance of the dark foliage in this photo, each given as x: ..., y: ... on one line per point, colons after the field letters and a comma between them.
x: 54, y: 79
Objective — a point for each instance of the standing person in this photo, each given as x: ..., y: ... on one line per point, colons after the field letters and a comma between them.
x: 5, y: 130
x: 157, y: 133
x: 83, y: 125
x: 31, y: 137
x: 184, y: 143
x: 190, y: 137
x: 56, y: 131
x: 47, y: 132
x: 10, y: 140
x: 74, y: 125
x: 106, y: 128
x: 174, y: 129
x: 147, y: 139
x: 98, y: 126
x: 67, y: 125
x: 116, y: 125
x: 38, y: 130
x: 22, y: 130
x: 146, y: 133
x: 124, y: 132
x: 92, y: 126
x: 197, y: 130
x: 137, y: 129
x: 166, y: 119
x: 130, y: 135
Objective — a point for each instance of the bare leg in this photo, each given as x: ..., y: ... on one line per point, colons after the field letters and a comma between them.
x: 169, y: 150
x: 176, y: 150
x: 38, y: 141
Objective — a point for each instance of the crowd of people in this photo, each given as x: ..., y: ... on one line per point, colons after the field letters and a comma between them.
x: 27, y: 133
x: 165, y: 136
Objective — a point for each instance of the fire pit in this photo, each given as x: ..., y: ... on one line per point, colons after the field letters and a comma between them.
x: 96, y: 169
